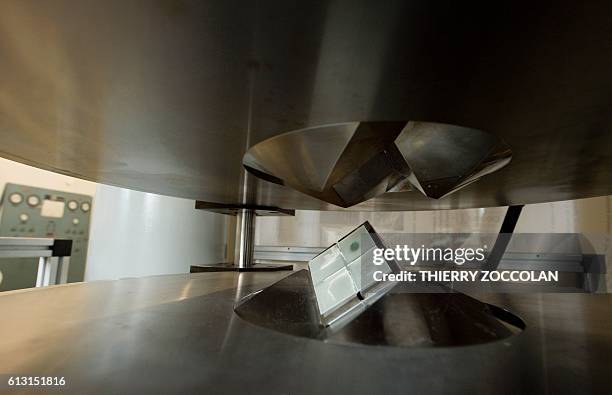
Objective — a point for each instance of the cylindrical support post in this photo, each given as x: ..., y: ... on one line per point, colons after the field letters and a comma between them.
x: 245, y: 233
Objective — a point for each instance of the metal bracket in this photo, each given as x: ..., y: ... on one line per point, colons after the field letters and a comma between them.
x: 235, y: 209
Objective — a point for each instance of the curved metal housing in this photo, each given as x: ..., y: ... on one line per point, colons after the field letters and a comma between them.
x: 167, y: 96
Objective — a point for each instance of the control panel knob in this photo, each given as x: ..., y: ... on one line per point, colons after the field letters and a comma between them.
x: 33, y: 200
x: 15, y: 198
x: 23, y: 217
x: 75, y: 221
x: 73, y: 205
x: 85, y: 206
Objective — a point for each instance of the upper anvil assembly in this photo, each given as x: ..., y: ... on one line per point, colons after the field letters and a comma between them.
x: 349, y: 163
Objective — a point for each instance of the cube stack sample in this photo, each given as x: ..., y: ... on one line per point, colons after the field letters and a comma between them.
x: 342, y: 276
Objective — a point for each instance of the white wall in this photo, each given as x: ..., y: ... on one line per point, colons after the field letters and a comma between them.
x: 135, y: 234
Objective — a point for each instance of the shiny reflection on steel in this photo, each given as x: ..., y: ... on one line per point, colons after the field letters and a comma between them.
x: 245, y: 228
x: 347, y: 164
x: 445, y: 158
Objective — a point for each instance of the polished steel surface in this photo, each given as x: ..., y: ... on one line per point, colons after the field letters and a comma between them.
x: 349, y: 163
x: 170, y: 334
x: 161, y: 96
x: 445, y: 158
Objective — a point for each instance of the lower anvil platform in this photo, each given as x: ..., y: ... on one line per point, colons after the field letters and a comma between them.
x: 402, y: 317
x: 177, y: 334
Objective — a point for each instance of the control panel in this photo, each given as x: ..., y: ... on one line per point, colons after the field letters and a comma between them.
x: 36, y: 212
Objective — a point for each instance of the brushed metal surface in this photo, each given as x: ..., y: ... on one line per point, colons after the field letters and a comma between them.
x: 161, y: 96
x: 169, y: 334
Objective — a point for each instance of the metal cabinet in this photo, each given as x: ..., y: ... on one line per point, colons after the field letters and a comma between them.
x: 36, y: 212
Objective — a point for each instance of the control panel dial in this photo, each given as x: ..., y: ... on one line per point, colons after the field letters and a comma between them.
x: 33, y: 200
x: 16, y: 198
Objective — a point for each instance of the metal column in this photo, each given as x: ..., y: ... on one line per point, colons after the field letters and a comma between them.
x: 245, y: 243
x: 503, y: 238
x: 245, y: 233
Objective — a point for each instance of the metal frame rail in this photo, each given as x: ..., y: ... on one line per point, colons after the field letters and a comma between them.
x: 53, y: 256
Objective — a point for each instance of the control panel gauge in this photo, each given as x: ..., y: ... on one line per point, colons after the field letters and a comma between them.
x: 15, y: 198
x: 33, y: 200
